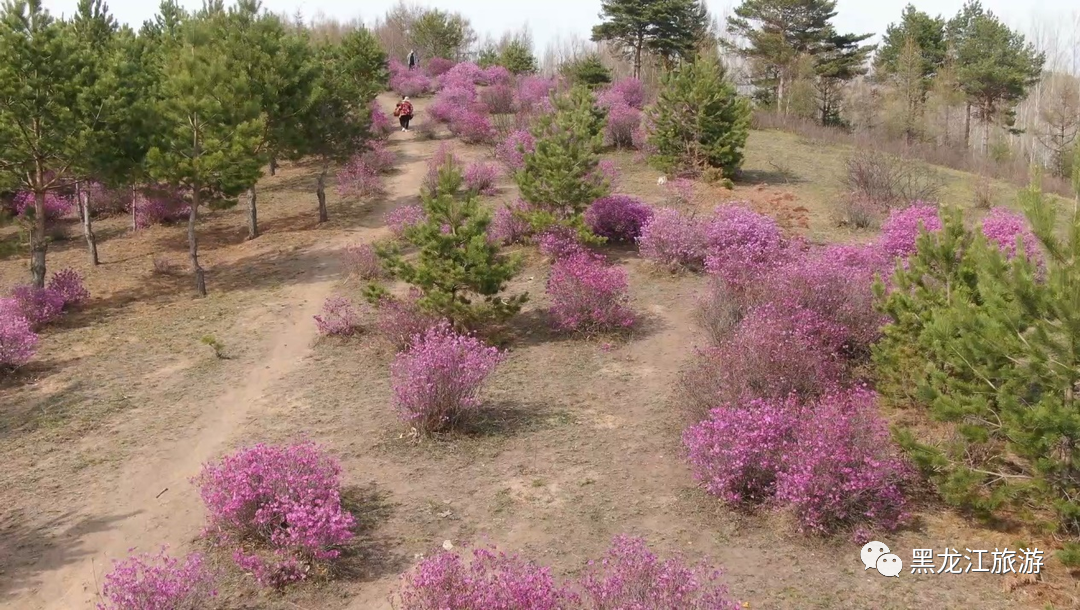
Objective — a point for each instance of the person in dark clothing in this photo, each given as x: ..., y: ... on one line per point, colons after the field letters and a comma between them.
x: 412, y: 59
x: 404, y: 112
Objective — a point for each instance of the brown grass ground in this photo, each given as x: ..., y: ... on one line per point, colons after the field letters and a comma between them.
x: 578, y: 441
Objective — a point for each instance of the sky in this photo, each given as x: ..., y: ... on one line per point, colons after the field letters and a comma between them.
x: 551, y: 20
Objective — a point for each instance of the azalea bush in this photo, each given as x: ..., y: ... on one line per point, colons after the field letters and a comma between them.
x: 619, y: 218
x: 628, y: 91
x: 381, y: 123
x: 401, y: 218
x: 558, y: 243
x: 674, y: 240
x: 399, y: 320
x: 17, y: 338
x: 743, y: 245
x: 437, y: 379
x: 473, y: 125
x: 622, y: 121
x: 588, y: 295
x: 158, y: 582
x: 481, y: 177
x: 56, y: 205
x: 40, y: 306
x: 158, y: 206
x: 360, y: 177
x: 498, y: 99
x: 510, y: 224
x: 68, y: 283
x: 1003, y: 227
x: 901, y: 228
x: 338, y: 317
x: 511, y: 151
x: 282, y: 499
x: 362, y: 261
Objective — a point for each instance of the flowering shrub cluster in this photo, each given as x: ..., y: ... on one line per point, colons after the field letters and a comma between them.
x: 681, y: 190
x: 463, y: 74
x: 743, y: 245
x: 56, y: 205
x: 511, y: 151
x: 451, y: 101
x: 674, y: 240
x: 17, y: 338
x: 437, y: 379
x: 622, y: 121
x: 284, y: 498
x: 901, y: 228
x: 400, y: 320
x: 534, y: 95
x: 481, y: 177
x: 158, y: 206
x: 401, y: 218
x: 606, y: 171
x: 362, y: 261
x: 472, y: 124
x: 619, y: 218
x: 588, y: 295
x: 338, y: 317
x: 830, y: 460
x: 437, y: 66
x: 628, y: 91
x: 381, y: 123
x: 69, y: 285
x: 158, y: 582
x: 498, y: 99
x: 628, y: 577
x: 497, y: 75
x: 509, y: 224
x: 442, y: 156
x: 558, y: 243
x: 1003, y: 226
x: 360, y: 177
x: 39, y: 306
x: 404, y: 81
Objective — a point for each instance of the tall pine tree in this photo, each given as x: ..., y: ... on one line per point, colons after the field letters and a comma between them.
x: 667, y: 29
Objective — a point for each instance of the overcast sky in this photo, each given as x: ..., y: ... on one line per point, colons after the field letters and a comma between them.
x: 552, y: 19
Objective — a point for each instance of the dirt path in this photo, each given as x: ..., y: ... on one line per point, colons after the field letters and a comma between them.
x: 145, y: 515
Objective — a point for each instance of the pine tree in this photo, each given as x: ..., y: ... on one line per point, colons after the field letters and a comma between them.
x: 560, y: 179
x: 917, y: 28
x: 437, y: 33
x: 44, y: 128
x: 588, y: 71
x: 908, y: 94
x: 699, y: 122
x: 668, y: 29
x: 459, y: 270
x: 517, y: 57
x: 212, y: 125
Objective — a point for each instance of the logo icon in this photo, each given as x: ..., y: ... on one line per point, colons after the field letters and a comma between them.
x: 877, y: 555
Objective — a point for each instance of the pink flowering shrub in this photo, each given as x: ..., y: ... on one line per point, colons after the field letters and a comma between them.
x: 359, y: 178
x: 17, y: 338
x: 491, y: 581
x: 674, y: 240
x: 901, y: 228
x: 511, y: 151
x: 622, y: 120
x: 588, y: 295
x: 362, y: 261
x: 498, y: 75
x: 619, y: 218
x: 628, y: 91
x: 381, y: 124
x: 681, y: 190
x: 159, y: 206
x: 338, y: 317
x: 509, y: 224
x: 56, y: 205
x: 534, y: 95
x: 411, y: 84
x: 400, y: 219
x: 40, y: 306
x: 463, y: 74
x: 437, y: 379
x: 743, y: 245
x: 284, y: 498
x: 606, y: 171
x: 843, y: 470
x: 158, y: 582
x: 472, y: 125
x: 559, y: 242
x: 400, y: 320
x: 450, y: 102
x: 498, y: 99
x: 631, y: 577
x: 436, y: 66
x: 69, y: 285
x: 379, y: 157
x: 442, y: 156
x: 1003, y: 226
x: 481, y: 177
x: 738, y: 451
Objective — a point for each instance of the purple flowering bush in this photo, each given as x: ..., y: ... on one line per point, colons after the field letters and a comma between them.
x: 17, y: 338
x: 472, y: 124
x: 674, y: 240
x: 381, y: 124
x: 843, y: 470
x: 362, y: 261
x: 437, y: 379
x: 534, y: 95
x: 40, y: 306
x: 481, y: 177
x: 400, y: 219
x: 509, y: 224
x: 400, y: 320
x: 588, y: 295
x: 437, y: 66
x: 68, y: 283
x: 158, y: 582
x: 628, y: 91
x: 901, y: 229
x: 737, y: 452
x: 463, y: 74
x: 158, y: 206
x: 1003, y: 226
x: 743, y: 245
x: 338, y: 317
x: 558, y: 243
x: 630, y: 576
x: 285, y: 499
x: 451, y: 101
x: 56, y: 205
x: 498, y: 99
x: 622, y: 121
x: 606, y: 171
x: 511, y: 151
x: 498, y: 75
x: 619, y: 218
x: 359, y: 178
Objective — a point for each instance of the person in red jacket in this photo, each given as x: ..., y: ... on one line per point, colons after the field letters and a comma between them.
x: 404, y: 112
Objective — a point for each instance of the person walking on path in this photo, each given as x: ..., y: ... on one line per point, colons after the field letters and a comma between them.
x: 404, y: 112
x: 412, y: 59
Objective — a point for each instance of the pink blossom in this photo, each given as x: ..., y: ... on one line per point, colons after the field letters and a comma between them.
x: 17, y: 338
x: 158, y: 582
x: 588, y: 295
x: 619, y: 218
x: 674, y: 240
x: 338, y: 317
x: 901, y: 229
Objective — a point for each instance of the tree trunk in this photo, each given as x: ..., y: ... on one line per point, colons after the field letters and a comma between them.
x: 967, y: 126
x: 193, y: 244
x: 253, y: 215
x: 273, y: 166
x: 320, y: 192
x: 39, y: 242
x: 780, y: 95
x: 88, y: 229
x: 637, y: 56
x: 134, y: 206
